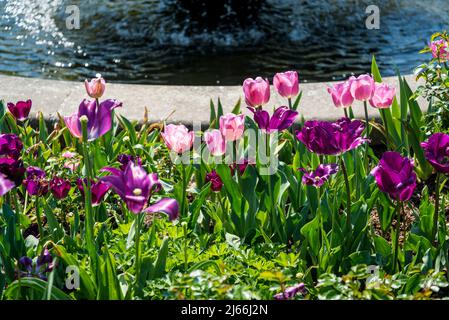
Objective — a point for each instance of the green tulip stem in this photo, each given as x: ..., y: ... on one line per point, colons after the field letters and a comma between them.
x: 437, y: 207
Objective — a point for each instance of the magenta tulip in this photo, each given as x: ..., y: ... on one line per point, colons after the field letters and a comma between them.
x: 440, y: 50
x: 99, y: 119
x: 257, y: 92
x: 341, y: 94
x: 318, y: 177
x: 215, y: 142
x: 362, y: 87
x: 436, y: 150
x: 20, y: 110
x: 395, y: 176
x: 215, y: 180
x: 5, y: 184
x: 282, y: 118
x: 286, y: 84
x: 10, y: 146
x: 125, y: 158
x: 98, y: 190
x: 383, y: 96
x: 232, y: 126
x: 60, y: 187
x: 332, y: 138
x: 95, y: 88
x: 36, y: 182
x: 178, y: 138
x: 135, y: 187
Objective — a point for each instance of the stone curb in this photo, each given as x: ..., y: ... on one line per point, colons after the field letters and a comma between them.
x: 184, y: 104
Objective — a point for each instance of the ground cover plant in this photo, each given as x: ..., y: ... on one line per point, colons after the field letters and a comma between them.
x: 254, y: 207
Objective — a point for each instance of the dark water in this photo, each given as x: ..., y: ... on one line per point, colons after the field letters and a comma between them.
x: 172, y: 42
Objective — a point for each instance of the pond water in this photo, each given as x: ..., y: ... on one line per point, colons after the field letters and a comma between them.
x: 184, y: 42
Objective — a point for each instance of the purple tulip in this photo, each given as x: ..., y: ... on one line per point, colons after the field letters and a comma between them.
x: 125, y: 158
x: 168, y: 206
x: 135, y: 187
x: 291, y: 292
x: 44, y: 264
x: 20, y: 110
x: 10, y: 145
x: 318, y: 177
x: 437, y: 151
x: 241, y: 165
x: 282, y: 118
x: 12, y: 169
x: 99, y: 119
x: 332, y: 138
x: 98, y: 190
x: 215, y: 180
x: 36, y: 183
x: 5, y: 184
x: 395, y: 176
x: 59, y: 187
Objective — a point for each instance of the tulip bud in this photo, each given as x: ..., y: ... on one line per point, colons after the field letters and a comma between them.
x: 95, y: 88
x: 286, y: 83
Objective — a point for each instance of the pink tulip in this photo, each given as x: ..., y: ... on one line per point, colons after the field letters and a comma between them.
x: 178, y: 138
x: 95, y: 88
x: 232, y: 126
x: 383, y: 96
x: 341, y: 94
x: 215, y: 142
x: 440, y: 50
x: 362, y: 88
x: 286, y: 83
x: 257, y: 92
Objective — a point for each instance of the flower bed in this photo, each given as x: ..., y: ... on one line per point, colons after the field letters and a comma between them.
x: 99, y: 208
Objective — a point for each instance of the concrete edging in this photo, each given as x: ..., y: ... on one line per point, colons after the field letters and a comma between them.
x: 189, y: 104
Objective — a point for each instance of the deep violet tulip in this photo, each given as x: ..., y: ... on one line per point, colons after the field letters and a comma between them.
x: 282, y: 119
x: 60, y: 187
x: 319, y: 176
x: 332, y: 138
x: 20, y: 110
x: 395, y: 176
x: 98, y: 190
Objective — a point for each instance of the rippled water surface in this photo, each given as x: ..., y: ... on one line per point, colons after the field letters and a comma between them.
x: 184, y: 42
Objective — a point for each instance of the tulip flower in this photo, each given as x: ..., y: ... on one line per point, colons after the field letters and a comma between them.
x: 318, y: 177
x: 232, y: 126
x: 12, y: 169
x: 72, y: 163
x: 282, y: 119
x: 241, y: 165
x: 215, y: 180
x: 44, y: 264
x: 383, y: 96
x: 36, y: 183
x: 257, y: 92
x: 291, y: 292
x: 436, y: 150
x: 341, y: 94
x: 5, y: 184
x: 215, y: 142
x: 331, y: 138
x: 98, y: 190
x: 178, y: 138
x: 59, y: 187
x: 99, y: 119
x: 125, y: 158
x: 286, y: 84
x: 135, y: 187
x: 95, y: 87
x: 10, y: 146
x: 440, y: 50
x: 395, y: 176
x: 20, y: 110
x: 362, y: 87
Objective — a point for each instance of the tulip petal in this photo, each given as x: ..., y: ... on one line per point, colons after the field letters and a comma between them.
x: 168, y: 206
